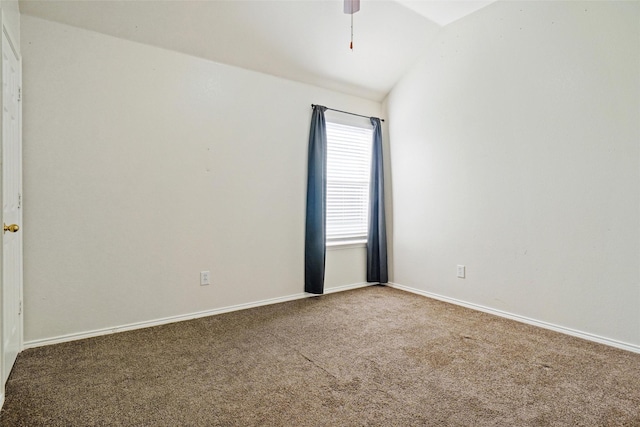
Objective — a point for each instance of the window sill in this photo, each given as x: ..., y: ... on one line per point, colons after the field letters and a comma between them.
x: 348, y: 244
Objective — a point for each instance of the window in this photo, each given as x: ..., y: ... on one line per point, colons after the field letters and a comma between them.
x: 348, y: 169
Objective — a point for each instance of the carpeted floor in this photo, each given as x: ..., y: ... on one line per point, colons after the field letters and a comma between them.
x: 375, y: 356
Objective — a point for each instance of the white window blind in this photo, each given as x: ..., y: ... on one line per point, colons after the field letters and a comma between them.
x: 348, y: 169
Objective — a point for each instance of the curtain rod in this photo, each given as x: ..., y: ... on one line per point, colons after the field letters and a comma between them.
x: 346, y: 112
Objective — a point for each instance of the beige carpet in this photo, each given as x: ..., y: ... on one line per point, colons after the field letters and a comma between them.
x: 371, y: 357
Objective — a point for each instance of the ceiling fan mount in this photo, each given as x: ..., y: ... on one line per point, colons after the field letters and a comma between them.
x: 351, y: 6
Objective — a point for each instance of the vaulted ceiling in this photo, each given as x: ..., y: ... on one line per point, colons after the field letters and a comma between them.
x: 303, y: 40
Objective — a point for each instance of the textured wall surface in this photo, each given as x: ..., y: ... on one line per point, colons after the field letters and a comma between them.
x: 516, y: 152
x: 144, y: 167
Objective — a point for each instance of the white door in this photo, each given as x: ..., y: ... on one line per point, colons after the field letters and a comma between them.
x: 11, y: 207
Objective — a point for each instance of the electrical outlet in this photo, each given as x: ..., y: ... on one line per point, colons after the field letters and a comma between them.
x: 205, y: 278
x: 461, y: 271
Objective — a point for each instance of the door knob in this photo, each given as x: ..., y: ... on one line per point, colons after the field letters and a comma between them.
x: 12, y: 228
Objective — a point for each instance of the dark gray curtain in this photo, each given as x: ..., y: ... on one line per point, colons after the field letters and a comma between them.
x: 315, y: 232
x: 377, y: 238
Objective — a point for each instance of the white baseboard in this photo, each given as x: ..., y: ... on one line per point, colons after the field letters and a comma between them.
x: 343, y: 288
x: 213, y: 312
x: 180, y: 318
x: 523, y: 319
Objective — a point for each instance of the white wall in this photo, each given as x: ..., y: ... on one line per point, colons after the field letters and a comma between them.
x: 515, y: 151
x: 144, y: 166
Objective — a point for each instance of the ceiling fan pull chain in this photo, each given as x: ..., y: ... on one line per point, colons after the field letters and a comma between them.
x: 351, y: 7
x: 351, y: 44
